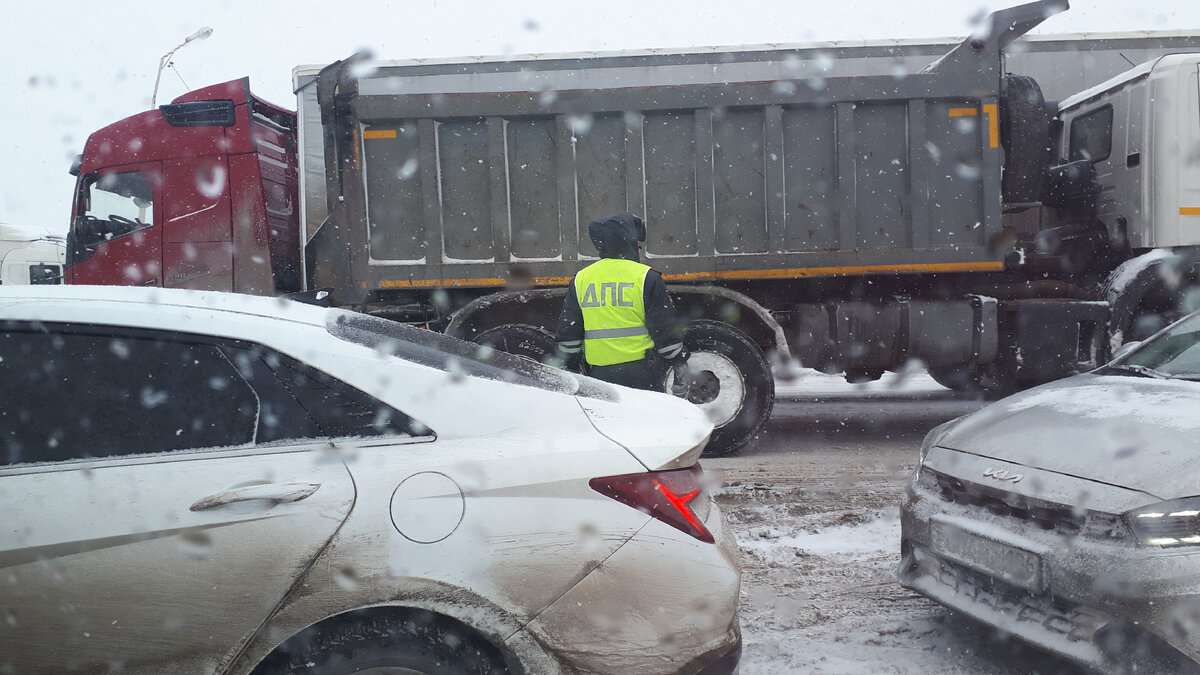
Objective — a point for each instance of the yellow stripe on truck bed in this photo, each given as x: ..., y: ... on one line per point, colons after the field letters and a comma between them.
x: 785, y: 273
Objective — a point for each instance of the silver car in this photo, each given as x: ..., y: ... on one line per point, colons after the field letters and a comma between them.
x: 1069, y: 515
x: 211, y: 483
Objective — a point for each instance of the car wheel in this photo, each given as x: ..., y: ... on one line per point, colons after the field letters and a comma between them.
x: 731, y: 383
x: 520, y: 339
x: 409, y: 646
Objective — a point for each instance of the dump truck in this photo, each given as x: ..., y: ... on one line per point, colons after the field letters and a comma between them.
x: 834, y: 206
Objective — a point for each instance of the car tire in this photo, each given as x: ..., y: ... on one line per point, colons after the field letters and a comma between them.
x: 416, y: 644
x: 1025, y: 136
x: 520, y: 339
x: 731, y: 382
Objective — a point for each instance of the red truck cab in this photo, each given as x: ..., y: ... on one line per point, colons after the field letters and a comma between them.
x: 200, y: 193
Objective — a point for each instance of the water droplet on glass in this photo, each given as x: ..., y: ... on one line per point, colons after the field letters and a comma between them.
x: 580, y: 124
x: 195, y: 544
x: 210, y: 180
x: 589, y: 539
x: 152, y: 399
x: 409, y: 169
x: 783, y: 87
x: 362, y: 69
x: 346, y: 578
x: 455, y: 370
x: 119, y: 348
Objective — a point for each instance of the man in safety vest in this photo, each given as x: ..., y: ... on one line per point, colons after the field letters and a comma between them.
x: 618, y: 316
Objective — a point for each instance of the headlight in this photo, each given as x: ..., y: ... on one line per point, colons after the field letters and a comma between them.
x: 1167, y: 524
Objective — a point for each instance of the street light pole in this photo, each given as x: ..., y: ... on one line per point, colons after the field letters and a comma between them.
x: 201, y: 34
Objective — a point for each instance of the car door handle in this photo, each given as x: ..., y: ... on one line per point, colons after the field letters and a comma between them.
x: 273, y: 492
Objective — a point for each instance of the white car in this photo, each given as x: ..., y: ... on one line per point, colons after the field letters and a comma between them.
x: 206, y: 482
x: 1068, y: 515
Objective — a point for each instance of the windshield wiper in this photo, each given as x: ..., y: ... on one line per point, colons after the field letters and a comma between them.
x: 1144, y: 371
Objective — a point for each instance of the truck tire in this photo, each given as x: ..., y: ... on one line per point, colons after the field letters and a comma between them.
x: 957, y: 378
x: 990, y: 380
x: 731, y: 383
x: 521, y: 339
x: 1025, y: 136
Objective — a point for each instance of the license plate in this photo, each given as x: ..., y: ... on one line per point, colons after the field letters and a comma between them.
x: 1008, y: 563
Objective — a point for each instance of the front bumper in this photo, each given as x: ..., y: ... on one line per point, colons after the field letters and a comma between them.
x: 1103, y: 602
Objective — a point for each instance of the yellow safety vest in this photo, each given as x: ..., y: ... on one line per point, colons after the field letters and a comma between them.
x: 610, y: 293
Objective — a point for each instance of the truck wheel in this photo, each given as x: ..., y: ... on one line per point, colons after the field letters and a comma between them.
x: 388, y: 645
x: 957, y: 378
x: 991, y: 380
x: 731, y: 383
x: 1025, y: 135
x: 521, y: 339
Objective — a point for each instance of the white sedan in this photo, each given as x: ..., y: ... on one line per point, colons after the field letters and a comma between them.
x: 205, y: 482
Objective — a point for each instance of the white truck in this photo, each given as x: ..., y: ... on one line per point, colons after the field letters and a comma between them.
x: 1140, y: 134
x: 30, y: 258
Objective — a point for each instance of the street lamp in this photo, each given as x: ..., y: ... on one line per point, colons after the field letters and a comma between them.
x: 201, y: 34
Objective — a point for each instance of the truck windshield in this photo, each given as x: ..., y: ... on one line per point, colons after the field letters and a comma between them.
x: 117, y: 204
x: 443, y: 352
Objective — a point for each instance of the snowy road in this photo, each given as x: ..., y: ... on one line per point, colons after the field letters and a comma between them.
x: 814, y: 505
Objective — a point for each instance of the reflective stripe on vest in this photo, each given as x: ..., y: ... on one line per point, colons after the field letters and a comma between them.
x: 610, y: 293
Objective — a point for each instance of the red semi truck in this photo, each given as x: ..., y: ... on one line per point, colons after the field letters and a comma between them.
x: 200, y: 193
x: 807, y: 204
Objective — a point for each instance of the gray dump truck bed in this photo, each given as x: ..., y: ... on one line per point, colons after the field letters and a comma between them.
x: 750, y: 163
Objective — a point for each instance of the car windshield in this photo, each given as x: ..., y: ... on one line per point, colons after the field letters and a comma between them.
x: 1175, y: 353
x: 452, y: 355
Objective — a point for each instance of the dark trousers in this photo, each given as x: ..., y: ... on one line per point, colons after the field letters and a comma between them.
x: 635, y: 374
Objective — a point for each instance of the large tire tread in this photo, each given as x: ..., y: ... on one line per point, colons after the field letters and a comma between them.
x: 1025, y: 134
x: 520, y: 339
x: 420, y: 641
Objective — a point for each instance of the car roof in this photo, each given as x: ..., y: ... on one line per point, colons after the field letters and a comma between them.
x: 152, y: 307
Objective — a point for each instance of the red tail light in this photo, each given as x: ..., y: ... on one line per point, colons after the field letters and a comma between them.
x: 665, y: 495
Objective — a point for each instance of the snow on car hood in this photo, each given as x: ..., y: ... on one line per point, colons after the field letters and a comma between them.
x: 1132, y: 432
x: 660, y: 431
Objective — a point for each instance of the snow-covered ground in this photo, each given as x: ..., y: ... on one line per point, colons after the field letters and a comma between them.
x: 807, y: 382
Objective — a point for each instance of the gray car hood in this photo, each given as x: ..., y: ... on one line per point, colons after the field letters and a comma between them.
x: 1133, y: 432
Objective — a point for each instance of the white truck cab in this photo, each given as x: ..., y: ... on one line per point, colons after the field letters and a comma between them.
x: 1141, y: 130
x: 29, y: 258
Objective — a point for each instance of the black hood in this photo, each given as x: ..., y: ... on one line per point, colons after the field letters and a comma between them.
x: 617, y: 236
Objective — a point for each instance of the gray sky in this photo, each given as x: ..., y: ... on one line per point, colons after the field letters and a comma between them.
x: 73, y: 67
